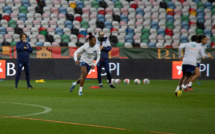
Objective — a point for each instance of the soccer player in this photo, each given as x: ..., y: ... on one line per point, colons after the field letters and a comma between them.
x: 105, y: 47
x: 90, y: 51
x: 192, y: 49
x: 23, y: 49
x: 203, y: 42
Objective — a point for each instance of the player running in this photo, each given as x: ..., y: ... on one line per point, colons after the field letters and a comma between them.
x: 192, y: 49
x: 203, y: 42
x: 90, y: 51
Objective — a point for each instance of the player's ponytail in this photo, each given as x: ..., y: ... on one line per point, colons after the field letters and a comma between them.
x: 90, y: 36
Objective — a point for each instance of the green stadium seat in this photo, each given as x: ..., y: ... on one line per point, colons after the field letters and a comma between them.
x: 95, y: 4
x: 13, y: 43
x: 145, y: 38
x: 167, y: 1
x: 65, y: 38
x: 119, y: 44
x: 44, y: 32
x: 118, y: 4
x: 145, y: 31
x: 213, y: 39
x: 213, y: 11
x: 12, y: 23
x: 199, y: 32
x: 185, y: 18
x: 23, y: 9
x: 169, y: 25
x: 84, y: 24
x: 200, y: 5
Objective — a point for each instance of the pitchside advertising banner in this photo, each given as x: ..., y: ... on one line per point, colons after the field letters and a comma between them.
x: 50, y: 69
x: 116, y: 53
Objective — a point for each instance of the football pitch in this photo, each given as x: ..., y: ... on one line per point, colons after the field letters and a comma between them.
x: 50, y: 108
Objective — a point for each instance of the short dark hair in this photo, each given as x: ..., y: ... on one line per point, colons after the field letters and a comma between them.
x: 203, y: 36
x: 20, y: 36
x: 90, y: 36
x: 194, y: 38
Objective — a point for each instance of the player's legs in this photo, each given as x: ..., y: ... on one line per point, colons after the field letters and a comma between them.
x: 107, y: 70
x: 18, y: 73
x: 99, y: 71
x: 27, y: 74
x: 194, y: 77
x: 85, y: 68
x: 83, y: 75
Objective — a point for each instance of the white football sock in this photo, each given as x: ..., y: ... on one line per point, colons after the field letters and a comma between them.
x: 190, y: 84
x: 80, y: 89
x: 178, y: 88
x: 75, y: 83
x: 183, y: 86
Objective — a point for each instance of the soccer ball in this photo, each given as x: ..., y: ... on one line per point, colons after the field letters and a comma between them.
x: 136, y: 81
x: 126, y: 81
x: 112, y: 81
x: 146, y: 81
x: 117, y: 81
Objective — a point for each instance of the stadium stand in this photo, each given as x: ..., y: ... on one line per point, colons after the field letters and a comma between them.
x: 127, y: 23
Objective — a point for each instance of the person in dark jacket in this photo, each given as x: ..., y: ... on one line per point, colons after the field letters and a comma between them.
x: 105, y: 47
x: 23, y: 49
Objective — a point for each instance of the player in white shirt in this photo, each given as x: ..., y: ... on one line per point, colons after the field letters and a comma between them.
x: 89, y: 52
x: 203, y: 42
x: 192, y: 49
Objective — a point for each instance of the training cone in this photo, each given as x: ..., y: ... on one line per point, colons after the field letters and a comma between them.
x: 40, y: 81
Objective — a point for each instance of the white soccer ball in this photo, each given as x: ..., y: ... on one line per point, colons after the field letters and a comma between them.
x: 112, y: 81
x: 126, y: 81
x: 117, y: 81
x: 136, y: 81
x: 146, y: 81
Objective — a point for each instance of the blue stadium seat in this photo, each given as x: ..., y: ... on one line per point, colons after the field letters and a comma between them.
x: 130, y: 31
x: 207, y: 32
x: 200, y: 12
x: 79, y: 4
x: 139, y: 11
x: 124, y: 18
x: 208, y: 5
x: 161, y: 32
x: 171, y: 5
x: 101, y: 18
x: 196, y: 1
x: 59, y: 31
x: 185, y: 25
x: 68, y: 24
x: 151, y: 45
x: 2, y: 31
x: 22, y: 16
x: 169, y: 18
x: 62, y: 10
x: 7, y: 9
x: 108, y: 24
x: 83, y: 32
x: 39, y: 44
x: 25, y: 3
x: 200, y: 18
x: 154, y: 25
x: 129, y: 38
x: 183, y: 39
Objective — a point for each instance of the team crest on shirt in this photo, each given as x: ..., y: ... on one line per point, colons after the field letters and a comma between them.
x: 193, y: 45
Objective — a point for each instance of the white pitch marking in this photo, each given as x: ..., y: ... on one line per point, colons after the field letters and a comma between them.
x: 46, y: 109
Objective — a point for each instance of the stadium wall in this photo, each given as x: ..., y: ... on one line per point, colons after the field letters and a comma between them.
x: 51, y: 69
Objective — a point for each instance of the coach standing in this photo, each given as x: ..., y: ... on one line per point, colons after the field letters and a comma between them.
x: 105, y: 47
x: 23, y: 49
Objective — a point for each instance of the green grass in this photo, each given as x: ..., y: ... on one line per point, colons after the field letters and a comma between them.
x: 139, y: 108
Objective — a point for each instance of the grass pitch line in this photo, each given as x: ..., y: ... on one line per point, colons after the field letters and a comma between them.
x: 46, y: 109
x: 62, y: 122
